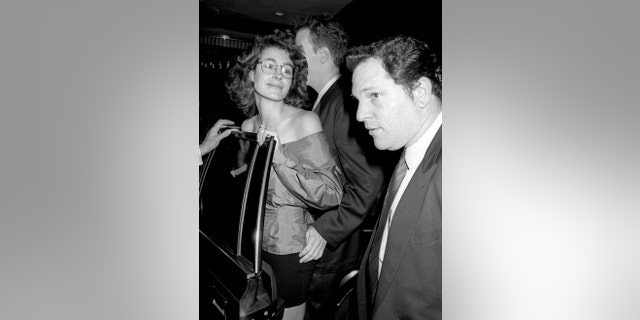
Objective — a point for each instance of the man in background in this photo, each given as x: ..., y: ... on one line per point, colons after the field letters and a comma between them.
x: 335, y: 236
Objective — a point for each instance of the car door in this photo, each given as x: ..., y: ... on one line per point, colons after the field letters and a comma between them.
x: 234, y: 281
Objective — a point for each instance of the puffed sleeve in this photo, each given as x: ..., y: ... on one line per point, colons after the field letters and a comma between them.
x: 309, y: 171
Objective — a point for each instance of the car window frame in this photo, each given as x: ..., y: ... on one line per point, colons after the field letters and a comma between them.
x: 258, y: 171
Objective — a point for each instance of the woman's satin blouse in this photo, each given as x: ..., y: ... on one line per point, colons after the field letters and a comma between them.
x: 303, y: 174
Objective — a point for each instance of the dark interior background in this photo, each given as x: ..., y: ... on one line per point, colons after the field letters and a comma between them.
x: 228, y: 26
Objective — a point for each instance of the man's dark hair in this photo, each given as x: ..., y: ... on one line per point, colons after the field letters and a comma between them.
x: 405, y: 59
x: 324, y: 32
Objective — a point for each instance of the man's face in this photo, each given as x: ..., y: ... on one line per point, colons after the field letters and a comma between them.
x: 302, y: 39
x: 387, y: 111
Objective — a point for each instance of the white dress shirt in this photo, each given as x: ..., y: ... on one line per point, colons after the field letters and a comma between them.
x: 413, y: 155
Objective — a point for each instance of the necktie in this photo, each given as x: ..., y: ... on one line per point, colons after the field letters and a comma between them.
x: 383, y: 223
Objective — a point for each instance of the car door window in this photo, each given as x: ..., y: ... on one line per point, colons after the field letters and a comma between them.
x: 232, y: 205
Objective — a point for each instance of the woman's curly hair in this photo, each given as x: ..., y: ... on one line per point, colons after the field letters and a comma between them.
x: 241, y: 89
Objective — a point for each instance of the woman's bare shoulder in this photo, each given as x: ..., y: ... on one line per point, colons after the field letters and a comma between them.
x: 307, y: 121
x: 250, y: 125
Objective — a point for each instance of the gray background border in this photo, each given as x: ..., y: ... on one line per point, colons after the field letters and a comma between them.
x: 99, y: 121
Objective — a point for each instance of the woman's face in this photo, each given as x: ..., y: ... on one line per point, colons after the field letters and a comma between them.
x: 273, y: 74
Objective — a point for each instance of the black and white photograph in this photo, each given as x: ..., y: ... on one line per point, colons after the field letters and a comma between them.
x: 319, y: 121
x: 319, y: 188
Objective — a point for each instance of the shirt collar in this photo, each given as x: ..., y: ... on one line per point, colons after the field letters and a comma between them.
x: 414, y: 153
x: 324, y: 90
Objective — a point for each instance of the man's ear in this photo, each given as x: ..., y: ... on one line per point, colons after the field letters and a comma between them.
x: 324, y: 54
x: 422, y: 93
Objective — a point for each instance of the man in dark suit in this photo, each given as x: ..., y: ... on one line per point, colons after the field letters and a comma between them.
x: 335, y: 236
x: 397, y: 82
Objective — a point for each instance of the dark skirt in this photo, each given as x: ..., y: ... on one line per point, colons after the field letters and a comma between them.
x: 292, y: 278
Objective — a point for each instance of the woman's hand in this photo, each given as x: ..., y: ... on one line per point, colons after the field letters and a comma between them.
x: 263, y: 133
x: 214, y: 136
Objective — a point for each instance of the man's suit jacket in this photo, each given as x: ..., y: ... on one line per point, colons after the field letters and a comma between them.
x: 352, y: 145
x: 410, y: 285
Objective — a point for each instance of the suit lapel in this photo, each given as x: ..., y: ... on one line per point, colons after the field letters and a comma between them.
x: 320, y: 110
x: 406, y: 213
x: 365, y: 300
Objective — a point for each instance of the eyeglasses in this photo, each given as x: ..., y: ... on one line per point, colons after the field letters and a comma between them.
x: 269, y: 67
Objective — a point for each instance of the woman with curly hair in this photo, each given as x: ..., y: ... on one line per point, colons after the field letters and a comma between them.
x: 268, y: 83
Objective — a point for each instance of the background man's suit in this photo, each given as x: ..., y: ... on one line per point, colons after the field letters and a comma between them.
x: 342, y: 227
x: 410, y: 283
